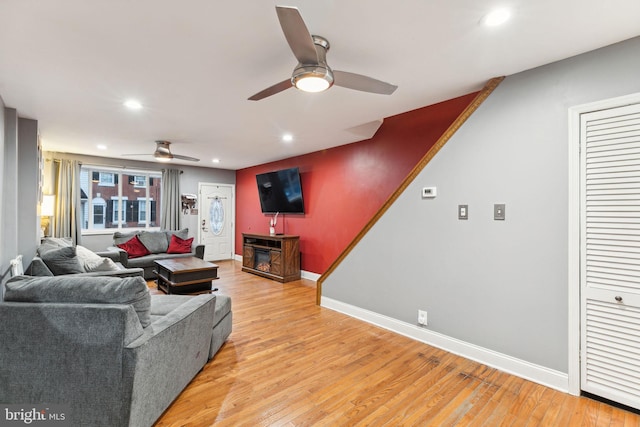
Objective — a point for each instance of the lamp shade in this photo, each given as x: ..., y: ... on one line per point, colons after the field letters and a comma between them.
x: 47, y: 206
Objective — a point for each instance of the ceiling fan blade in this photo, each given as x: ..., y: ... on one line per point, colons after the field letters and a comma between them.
x: 297, y: 35
x: 191, y: 159
x: 362, y: 83
x: 272, y: 90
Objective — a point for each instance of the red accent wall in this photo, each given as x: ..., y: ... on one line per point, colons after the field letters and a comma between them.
x: 343, y: 187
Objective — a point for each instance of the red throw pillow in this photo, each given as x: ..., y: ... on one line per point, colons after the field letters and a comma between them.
x: 179, y: 246
x: 134, y: 248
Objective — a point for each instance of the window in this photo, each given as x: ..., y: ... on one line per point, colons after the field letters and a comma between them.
x: 140, y: 181
x: 142, y: 211
x: 106, y: 179
x: 98, y: 205
x: 119, y: 198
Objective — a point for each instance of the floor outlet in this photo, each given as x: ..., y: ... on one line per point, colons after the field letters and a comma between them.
x: 422, y: 317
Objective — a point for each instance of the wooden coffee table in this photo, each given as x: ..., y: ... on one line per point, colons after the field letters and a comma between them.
x: 185, y: 275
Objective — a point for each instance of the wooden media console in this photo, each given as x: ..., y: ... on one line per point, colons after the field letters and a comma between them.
x: 275, y: 257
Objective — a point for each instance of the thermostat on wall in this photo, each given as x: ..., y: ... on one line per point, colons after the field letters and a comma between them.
x: 429, y: 192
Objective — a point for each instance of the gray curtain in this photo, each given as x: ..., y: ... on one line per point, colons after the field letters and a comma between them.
x: 170, y: 206
x: 67, y: 215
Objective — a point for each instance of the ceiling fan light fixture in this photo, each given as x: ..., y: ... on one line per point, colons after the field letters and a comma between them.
x: 312, y: 79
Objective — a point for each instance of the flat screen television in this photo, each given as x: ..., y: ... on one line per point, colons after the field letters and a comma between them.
x: 280, y: 191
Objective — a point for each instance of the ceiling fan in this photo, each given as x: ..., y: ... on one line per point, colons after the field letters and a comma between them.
x: 313, y: 74
x: 163, y: 153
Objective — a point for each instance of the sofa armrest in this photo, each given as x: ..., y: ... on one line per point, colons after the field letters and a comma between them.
x: 122, y: 255
x: 111, y: 254
x: 198, y: 250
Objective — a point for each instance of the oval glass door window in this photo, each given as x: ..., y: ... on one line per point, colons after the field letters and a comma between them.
x: 216, y: 216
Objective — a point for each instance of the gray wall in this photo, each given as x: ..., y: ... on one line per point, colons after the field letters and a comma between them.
x: 20, y: 228
x: 28, y: 182
x: 188, y: 184
x: 501, y: 285
x: 4, y: 258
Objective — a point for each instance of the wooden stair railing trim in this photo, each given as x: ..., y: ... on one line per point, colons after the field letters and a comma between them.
x: 489, y: 87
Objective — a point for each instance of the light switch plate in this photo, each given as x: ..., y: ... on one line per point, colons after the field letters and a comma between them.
x: 463, y: 211
x: 498, y: 212
x: 429, y: 192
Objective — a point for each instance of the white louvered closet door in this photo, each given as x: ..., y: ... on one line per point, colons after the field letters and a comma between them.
x: 610, y: 254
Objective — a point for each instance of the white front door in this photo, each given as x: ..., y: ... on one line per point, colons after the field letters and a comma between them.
x: 610, y: 254
x: 215, y: 220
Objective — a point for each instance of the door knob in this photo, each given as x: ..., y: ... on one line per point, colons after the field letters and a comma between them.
x: 618, y: 298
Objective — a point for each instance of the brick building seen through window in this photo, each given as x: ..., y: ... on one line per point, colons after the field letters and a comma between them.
x: 119, y: 198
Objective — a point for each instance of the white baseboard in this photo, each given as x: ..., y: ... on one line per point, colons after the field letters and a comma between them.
x: 521, y: 368
x: 305, y: 274
x: 310, y: 276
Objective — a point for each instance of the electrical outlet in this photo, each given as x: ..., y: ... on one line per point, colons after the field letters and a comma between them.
x: 422, y: 317
x: 463, y: 211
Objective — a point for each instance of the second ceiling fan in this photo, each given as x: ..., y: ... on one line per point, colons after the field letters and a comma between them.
x: 312, y: 74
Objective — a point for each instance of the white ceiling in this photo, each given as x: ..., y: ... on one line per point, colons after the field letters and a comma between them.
x: 71, y: 64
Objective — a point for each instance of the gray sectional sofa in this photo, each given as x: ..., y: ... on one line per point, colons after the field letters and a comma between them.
x: 59, y: 256
x: 104, y: 348
x: 157, y: 242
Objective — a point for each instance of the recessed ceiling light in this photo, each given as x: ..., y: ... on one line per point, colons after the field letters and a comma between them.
x: 287, y: 137
x: 496, y: 17
x: 101, y: 147
x: 215, y: 160
x: 132, y: 104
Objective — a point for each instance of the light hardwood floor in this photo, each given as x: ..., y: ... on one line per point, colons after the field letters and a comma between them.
x: 289, y: 362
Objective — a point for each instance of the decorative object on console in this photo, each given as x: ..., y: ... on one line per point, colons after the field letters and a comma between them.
x: 272, y: 224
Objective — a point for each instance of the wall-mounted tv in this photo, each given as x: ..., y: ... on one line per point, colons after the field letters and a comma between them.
x: 280, y: 191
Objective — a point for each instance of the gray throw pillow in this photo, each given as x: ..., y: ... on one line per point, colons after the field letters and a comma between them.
x: 50, y: 243
x: 38, y: 268
x: 83, y: 290
x: 120, y: 238
x: 154, y: 241
x: 62, y: 261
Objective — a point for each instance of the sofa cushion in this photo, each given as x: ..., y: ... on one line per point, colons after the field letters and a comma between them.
x: 183, y: 234
x: 50, y: 243
x: 120, y: 237
x: 162, y: 305
x: 37, y: 267
x: 179, y: 246
x: 154, y: 241
x: 83, y: 290
x: 134, y: 248
x: 91, y: 261
x: 62, y: 261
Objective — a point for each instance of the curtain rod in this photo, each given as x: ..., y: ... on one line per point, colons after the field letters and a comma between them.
x: 112, y: 166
